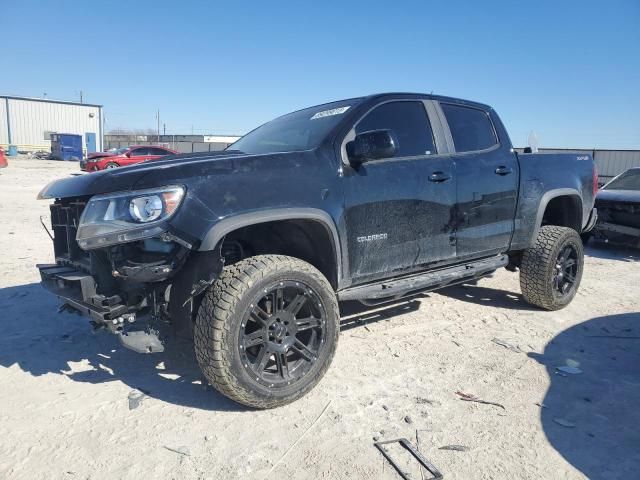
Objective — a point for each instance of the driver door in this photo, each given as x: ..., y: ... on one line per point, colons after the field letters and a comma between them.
x: 399, y: 209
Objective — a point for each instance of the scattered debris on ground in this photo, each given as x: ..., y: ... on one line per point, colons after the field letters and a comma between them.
x: 506, y: 345
x: 455, y: 448
x: 135, y: 398
x: 179, y: 450
x: 472, y: 398
x: 408, y: 446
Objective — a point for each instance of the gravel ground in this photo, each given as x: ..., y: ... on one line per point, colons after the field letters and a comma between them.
x: 77, y: 405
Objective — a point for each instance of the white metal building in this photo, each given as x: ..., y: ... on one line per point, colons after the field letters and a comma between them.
x: 28, y: 122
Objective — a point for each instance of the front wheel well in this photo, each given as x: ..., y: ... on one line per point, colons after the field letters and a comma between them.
x: 564, y: 211
x: 307, y: 240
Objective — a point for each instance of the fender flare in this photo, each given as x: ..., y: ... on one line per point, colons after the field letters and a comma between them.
x: 550, y: 195
x: 227, y: 225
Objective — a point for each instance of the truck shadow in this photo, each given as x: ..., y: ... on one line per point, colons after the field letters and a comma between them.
x: 40, y: 341
x: 592, y: 418
x: 356, y: 315
x: 491, y: 297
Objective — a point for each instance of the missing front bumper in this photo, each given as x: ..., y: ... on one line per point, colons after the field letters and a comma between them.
x: 78, y: 290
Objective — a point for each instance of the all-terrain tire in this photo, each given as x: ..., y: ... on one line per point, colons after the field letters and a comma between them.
x: 538, y: 268
x: 221, y: 320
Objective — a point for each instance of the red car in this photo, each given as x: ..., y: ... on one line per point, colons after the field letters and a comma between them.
x: 3, y: 159
x: 123, y: 157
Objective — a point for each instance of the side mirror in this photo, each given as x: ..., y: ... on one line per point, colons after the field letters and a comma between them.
x: 128, y: 154
x: 372, y: 145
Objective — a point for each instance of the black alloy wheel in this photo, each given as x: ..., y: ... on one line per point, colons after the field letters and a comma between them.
x: 566, y: 270
x: 267, y: 330
x: 281, y: 335
x: 551, y: 269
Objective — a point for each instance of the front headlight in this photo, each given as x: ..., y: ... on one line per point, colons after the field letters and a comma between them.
x: 127, y: 216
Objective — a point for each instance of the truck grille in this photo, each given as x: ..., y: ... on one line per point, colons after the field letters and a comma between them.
x: 65, y: 218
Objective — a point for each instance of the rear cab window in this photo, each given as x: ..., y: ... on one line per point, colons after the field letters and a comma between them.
x: 409, y: 122
x: 471, y: 128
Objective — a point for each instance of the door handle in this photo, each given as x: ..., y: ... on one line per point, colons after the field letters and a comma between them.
x: 502, y: 170
x: 439, y: 177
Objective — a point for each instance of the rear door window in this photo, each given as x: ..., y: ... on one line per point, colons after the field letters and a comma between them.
x: 158, y: 151
x: 408, y: 120
x: 139, y: 152
x: 629, y: 180
x: 471, y: 128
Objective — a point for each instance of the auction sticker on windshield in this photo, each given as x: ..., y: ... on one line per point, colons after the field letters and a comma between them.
x: 328, y: 113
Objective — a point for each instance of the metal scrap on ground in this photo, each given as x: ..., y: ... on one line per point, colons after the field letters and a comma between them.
x: 507, y: 345
x: 472, y: 398
x: 414, y: 452
x: 179, y: 450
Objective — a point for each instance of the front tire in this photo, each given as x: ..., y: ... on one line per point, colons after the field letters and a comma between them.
x: 267, y: 330
x: 551, y: 270
x: 111, y: 165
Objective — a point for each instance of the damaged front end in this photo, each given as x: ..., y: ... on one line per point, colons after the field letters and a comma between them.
x: 618, y: 219
x: 119, y: 263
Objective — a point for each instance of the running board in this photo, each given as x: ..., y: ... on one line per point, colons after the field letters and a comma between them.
x: 399, y: 287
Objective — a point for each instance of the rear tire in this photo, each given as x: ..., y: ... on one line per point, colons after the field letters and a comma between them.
x: 551, y: 270
x: 267, y: 330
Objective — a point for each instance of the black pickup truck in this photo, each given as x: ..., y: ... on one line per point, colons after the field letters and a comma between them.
x: 250, y: 250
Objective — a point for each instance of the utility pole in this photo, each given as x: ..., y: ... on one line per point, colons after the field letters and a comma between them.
x: 80, y: 96
x: 164, y: 129
x: 158, y: 117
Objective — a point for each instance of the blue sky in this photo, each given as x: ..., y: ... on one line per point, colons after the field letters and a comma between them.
x: 568, y: 70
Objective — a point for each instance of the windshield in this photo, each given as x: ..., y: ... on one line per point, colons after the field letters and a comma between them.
x: 300, y: 130
x: 629, y: 180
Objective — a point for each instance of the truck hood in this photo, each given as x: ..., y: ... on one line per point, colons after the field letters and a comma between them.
x: 158, y: 171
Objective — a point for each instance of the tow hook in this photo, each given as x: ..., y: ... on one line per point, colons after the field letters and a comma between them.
x: 117, y: 324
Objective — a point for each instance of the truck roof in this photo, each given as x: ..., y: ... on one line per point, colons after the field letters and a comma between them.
x: 431, y: 96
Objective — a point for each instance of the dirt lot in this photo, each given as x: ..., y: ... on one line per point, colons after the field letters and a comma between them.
x: 71, y: 404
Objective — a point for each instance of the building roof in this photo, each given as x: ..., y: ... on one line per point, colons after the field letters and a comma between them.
x: 47, y: 100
